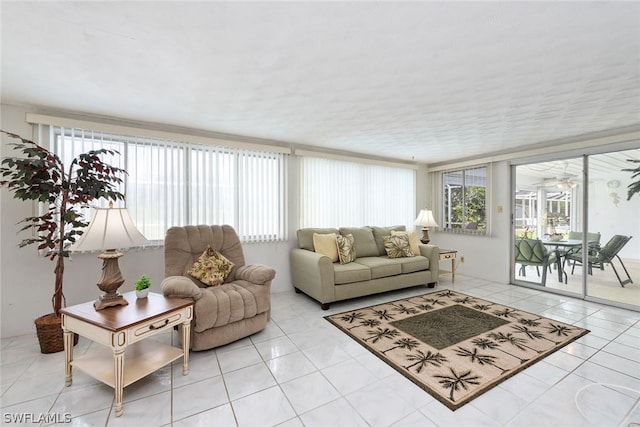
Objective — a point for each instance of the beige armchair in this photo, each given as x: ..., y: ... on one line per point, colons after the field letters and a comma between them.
x: 241, y: 306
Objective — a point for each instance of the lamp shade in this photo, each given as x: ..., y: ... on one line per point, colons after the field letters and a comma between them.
x: 110, y: 228
x: 426, y: 219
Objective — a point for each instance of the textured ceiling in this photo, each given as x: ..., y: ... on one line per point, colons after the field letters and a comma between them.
x: 429, y: 81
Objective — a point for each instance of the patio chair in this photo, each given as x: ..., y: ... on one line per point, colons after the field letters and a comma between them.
x: 598, y: 257
x: 593, y: 241
x: 533, y: 252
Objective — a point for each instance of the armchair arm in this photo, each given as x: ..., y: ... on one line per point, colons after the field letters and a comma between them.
x: 181, y: 287
x: 256, y: 273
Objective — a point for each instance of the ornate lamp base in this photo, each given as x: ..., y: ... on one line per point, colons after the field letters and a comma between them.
x: 425, y: 236
x: 109, y: 300
x: 110, y: 281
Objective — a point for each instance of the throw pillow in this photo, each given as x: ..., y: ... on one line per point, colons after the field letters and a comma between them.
x: 325, y: 244
x: 346, y: 248
x: 212, y: 268
x: 380, y: 232
x: 398, y: 246
x: 413, y: 240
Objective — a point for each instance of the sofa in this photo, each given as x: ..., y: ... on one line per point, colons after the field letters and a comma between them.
x: 326, y: 280
x: 235, y: 308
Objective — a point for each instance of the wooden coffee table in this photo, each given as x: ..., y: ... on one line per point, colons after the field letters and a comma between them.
x: 123, y: 328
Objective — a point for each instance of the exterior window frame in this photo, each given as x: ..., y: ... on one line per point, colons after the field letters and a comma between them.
x: 481, y: 225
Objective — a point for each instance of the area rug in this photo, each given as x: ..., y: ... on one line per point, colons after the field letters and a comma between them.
x: 453, y: 345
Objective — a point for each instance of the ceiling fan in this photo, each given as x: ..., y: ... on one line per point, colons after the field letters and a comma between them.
x: 564, y: 181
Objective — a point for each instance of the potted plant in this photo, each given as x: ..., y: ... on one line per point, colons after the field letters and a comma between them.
x: 142, y: 286
x: 40, y: 175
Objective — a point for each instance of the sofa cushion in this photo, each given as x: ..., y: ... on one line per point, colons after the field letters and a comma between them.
x: 305, y: 236
x: 397, y: 246
x: 413, y: 264
x: 364, y: 242
x: 346, y: 248
x: 381, y: 266
x: 350, y: 273
x: 326, y: 244
x: 379, y: 234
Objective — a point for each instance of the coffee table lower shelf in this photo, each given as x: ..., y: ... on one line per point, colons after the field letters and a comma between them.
x: 140, y: 360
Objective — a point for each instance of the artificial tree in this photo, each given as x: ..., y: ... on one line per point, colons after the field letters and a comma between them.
x: 40, y: 175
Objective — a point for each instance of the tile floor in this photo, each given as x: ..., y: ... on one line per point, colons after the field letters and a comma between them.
x: 301, y: 371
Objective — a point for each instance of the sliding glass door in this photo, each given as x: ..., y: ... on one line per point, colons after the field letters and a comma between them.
x: 576, y: 231
x: 547, y: 208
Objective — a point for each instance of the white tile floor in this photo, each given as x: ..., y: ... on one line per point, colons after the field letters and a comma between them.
x: 302, y: 371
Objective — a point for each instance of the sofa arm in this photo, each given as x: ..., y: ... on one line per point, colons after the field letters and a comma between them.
x: 181, y: 287
x: 433, y: 253
x: 312, y: 273
x: 256, y: 273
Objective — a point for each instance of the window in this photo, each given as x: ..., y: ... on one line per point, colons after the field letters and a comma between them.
x: 172, y: 183
x: 464, y: 200
x: 336, y: 193
x: 555, y: 216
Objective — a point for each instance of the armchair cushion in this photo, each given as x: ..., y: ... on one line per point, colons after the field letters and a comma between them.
x: 257, y: 274
x: 212, y: 268
x: 180, y: 287
x: 229, y: 303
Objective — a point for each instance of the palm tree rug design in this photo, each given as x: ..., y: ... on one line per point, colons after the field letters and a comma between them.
x: 452, y: 345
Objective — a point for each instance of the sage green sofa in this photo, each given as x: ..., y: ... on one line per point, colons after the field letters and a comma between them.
x: 372, y: 272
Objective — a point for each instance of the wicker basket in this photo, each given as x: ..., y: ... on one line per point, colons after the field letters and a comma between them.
x: 50, y: 335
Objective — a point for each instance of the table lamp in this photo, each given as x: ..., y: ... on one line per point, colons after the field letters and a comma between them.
x: 110, y: 229
x: 426, y: 220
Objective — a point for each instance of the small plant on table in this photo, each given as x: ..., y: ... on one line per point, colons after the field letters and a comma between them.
x: 142, y: 286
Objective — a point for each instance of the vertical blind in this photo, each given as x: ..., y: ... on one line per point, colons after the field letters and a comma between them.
x: 173, y: 183
x: 336, y: 193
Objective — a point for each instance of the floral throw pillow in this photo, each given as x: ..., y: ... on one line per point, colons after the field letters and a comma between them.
x: 346, y: 248
x: 212, y: 268
x: 413, y: 240
x: 397, y: 246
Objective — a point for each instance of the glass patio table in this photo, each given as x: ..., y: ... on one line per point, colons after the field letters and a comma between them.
x: 571, y: 246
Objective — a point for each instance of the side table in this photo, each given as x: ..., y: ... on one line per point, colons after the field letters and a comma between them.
x: 451, y: 254
x: 123, y: 328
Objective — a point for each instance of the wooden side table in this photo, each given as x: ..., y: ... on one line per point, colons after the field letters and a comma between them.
x: 451, y: 254
x: 123, y: 328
